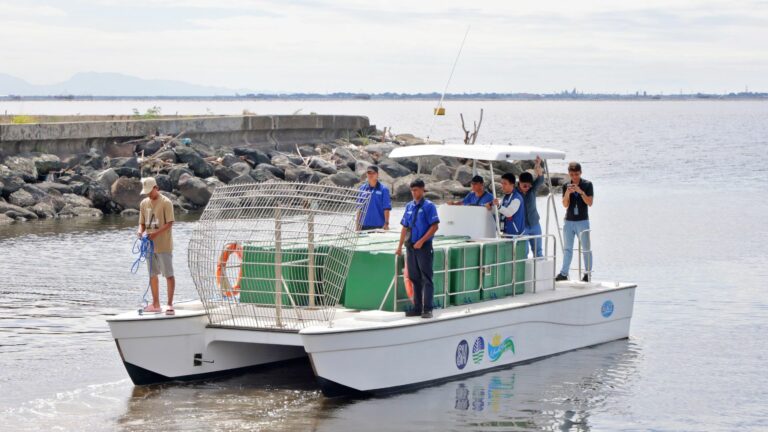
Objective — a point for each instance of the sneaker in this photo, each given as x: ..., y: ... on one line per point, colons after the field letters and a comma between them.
x: 585, y: 278
x: 427, y: 314
x: 412, y: 313
x: 152, y: 309
x: 561, y: 277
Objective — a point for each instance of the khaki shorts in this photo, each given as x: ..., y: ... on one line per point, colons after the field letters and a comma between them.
x: 161, y: 263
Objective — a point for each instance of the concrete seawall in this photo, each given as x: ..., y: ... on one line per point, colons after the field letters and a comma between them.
x: 264, y: 132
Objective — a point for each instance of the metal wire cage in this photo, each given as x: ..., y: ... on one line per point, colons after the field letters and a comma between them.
x: 276, y: 254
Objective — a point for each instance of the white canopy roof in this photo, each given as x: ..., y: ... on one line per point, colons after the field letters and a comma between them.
x: 478, y: 152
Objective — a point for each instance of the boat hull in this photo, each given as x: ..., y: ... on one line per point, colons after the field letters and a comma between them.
x: 395, y: 358
x: 183, y: 347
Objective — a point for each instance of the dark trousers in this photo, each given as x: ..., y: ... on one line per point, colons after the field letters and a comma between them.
x: 420, y: 273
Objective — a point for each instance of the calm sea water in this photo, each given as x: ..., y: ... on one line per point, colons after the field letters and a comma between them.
x: 679, y: 209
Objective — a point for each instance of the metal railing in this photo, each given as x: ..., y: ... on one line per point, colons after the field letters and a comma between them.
x: 274, y: 255
x: 584, y: 255
x: 459, y: 275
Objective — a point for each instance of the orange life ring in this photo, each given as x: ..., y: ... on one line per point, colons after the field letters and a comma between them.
x: 407, y: 281
x: 221, y: 277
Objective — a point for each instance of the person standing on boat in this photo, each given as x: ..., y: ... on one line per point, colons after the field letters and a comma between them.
x: 578, y: 196
x: 380, y: 204
x: 156, y: 222
x: 511, y: 207
x: 478, y: 196
x: 528, y: 187
x: 420, y: 223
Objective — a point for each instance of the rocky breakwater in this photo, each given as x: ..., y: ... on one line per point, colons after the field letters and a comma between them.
x: 34, y: 186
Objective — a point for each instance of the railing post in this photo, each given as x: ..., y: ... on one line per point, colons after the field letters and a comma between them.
x: 278, y: 268
x: 311, y: 256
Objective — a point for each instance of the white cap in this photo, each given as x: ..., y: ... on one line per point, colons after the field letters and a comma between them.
x: 147, y: 184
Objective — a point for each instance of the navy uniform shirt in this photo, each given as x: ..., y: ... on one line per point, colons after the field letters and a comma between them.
x: 380, y: 201
x: 473, y: 200
x: 425, y: 218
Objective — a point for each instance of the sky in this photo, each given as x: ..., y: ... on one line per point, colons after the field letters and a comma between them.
x: 323, y: 46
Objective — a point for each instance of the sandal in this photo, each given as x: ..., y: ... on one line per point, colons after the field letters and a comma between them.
x: 170, y: 311
x: 152, y: 309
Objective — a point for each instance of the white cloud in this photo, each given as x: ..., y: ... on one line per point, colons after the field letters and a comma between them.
x: 16, y: 10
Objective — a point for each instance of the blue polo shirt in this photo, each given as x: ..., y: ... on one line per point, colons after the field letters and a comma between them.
x: 425, y: 218
x: 473, y: 200
x: 380, y: 201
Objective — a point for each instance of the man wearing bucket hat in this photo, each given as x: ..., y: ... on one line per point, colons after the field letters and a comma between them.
x: 156, y: 222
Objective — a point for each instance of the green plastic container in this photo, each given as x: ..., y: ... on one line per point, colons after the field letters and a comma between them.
x: 258, y: 282
x: 463, y: 264
x: 497, y: 269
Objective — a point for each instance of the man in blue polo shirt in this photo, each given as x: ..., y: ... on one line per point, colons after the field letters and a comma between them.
x: 420, y: 223
x: 377, y: 215
x: 478, y: 196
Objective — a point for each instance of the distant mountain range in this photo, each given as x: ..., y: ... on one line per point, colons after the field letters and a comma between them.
x: 108, y: 84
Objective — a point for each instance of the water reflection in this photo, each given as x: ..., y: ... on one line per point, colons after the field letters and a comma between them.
x: 558, y: 393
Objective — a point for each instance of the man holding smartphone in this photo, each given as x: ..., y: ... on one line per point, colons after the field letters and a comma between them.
x: 578, y: 196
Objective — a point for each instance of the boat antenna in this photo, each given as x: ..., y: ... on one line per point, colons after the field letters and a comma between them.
x: 440, y: 110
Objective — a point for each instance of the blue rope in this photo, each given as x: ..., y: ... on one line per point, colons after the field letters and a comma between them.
x: 145, y: 248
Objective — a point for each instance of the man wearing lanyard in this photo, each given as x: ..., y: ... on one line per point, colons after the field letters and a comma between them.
x: 380, y: 204
x: 420, y: 223
x: 578, y: 196
x: 528, y: 187
x: 477, y: 197
x: 511, y: 208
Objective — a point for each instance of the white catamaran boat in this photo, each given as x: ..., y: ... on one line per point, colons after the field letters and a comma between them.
x: 283, y: 273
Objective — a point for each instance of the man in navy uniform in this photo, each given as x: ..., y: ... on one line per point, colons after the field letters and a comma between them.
x: 420, y: 223
x: 478, y: 196
x: 380, y: 205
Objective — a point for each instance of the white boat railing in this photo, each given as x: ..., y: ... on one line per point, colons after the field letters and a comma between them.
x: 448, y: 274
x: 584, y: 259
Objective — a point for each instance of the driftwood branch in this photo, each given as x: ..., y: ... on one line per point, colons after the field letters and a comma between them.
x: 471, y: 138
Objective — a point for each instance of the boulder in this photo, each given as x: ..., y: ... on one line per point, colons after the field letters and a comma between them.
x: 22, y: 167
x: 213, y: 183
x: 148, y: 148
x: 252, y: 156
x: 15, y: 211
x: 101, y: 197
x: 412, y: 165
x: 107, y: 177
x: 393, y: 168
x: 120, y: 162
x: 241, y: 168
x: 174, y: 200
x: 126, y: 192
x: 428, y: 163
x: 127, y: 172
x: 322, y: 165
x: 343, y: 179
x: 176, y: 173
x: 344, y: 155
x: 11, y: 184
x: 47, y: 187
x: 559, y: 179
x: 194, y: 190
x: 433, y: 196
x: 129, y: 213
x: 22, y: 198
x: 164, y: 182
x: 308, y: 150
x: 283, y: 160
x: 73, y: 200
x: 167, y: 156
x: 303, y: 174
x: 408, y: 139
x: 5, y: 220
x: 277, y: 172
x: 242, y: 179
x: 70, y: 211
x: 196, y: 163
x: 46, y: 163
x: 43, y: 210
x: 261, y: 175
x: 225, y: 173
x: 379, y: 150
x: 401, y: 189
x: 452, y: 188
x: 79, y: 187
x: 443, y: 172
x: 228, y: 159
x: 502, y: 167
x: 463, y: 175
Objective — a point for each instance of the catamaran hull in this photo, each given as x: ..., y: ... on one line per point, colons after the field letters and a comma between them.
x: 391, y: 359
x: 184, y: 348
